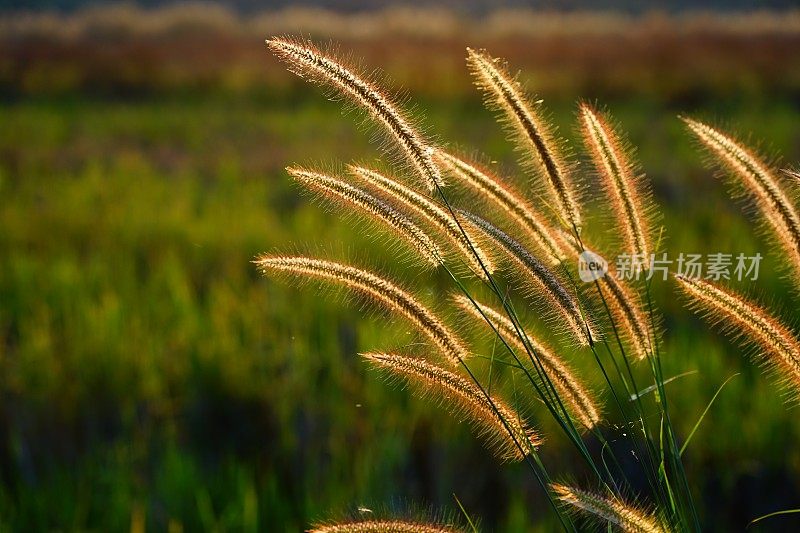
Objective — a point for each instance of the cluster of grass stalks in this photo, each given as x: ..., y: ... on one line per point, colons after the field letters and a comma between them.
x: 510, y: 247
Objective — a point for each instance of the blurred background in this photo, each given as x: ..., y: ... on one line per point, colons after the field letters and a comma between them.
x: 151, y: 380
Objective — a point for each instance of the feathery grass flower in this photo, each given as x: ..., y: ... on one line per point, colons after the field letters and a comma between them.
x: 535, y: 137
x: 444, y: 221
x: 567, y: 385
x: 305, y: 60
x: 377, y: 288
x: 627, y: 517
x: 619, y: 178
x: 778, y: 347
x: 754, y: 177
x: 382, y: 526
x: 377, y: 209
x: 496, y: 422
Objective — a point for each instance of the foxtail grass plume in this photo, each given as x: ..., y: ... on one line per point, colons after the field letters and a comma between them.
x: 577, y: 397
x: 752, y: 175
x: 376, y: 208
x: 618, y: 176
x: 496, y: 422
x: 624, y: 304
x: 778, y: 347
x: 384, y: 292
x: 626, y: 311
x: 627, y: 517
x: 470, y: 250
x: 307, y: 61
x: 543, y: 282
x: 383, y: 526
x: 536, y: 140
x: 509, y: 200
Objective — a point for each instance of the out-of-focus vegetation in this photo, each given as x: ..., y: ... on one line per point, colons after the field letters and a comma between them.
x: 121, y: 50
x: 149, y: 377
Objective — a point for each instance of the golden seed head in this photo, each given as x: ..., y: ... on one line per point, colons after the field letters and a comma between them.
x: 619, y: 179
x: 569, y: 387
x: 779, y: 348
x: 500, y: 425
x: 306, y: 60
x: 753, y: 176
x: 382, y: 291
x: 374, y: 207
x: 534, y: 135
x: 383, y: 526
x: 627, y: 517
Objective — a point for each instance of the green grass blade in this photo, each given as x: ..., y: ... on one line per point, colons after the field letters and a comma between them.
x: 697, y: 425
x: 466, y: 514
x: 776, y: 513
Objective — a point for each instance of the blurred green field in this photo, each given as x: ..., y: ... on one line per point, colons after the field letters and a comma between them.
x: 149, y: 376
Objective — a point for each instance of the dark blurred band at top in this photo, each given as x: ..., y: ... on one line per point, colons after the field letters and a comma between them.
x: 51, y: 47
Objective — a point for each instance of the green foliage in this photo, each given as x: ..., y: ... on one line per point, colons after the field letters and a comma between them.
x: 146, y: 370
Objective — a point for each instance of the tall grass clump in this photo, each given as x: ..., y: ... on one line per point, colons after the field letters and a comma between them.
x: 521, y: 246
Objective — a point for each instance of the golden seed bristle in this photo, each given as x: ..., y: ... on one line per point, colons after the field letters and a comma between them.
x: 307, y: 61
x: 542, y: 281
x: 568, y: 386
x: 376, y: 208
x: 505, y: 93
x: 383, y: 526
x: 619, y: 179
x: 379, y: 289
x: 509, y: 200
x: 778, y: 345
x: 627, y: 517
x: 495, y: 421
x: 760, y: 182
x: 470, y: 250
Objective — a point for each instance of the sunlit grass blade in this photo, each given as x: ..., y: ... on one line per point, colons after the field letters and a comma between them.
x: 772, y: 515
x: 653, y: 388
x: 703, y: 415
